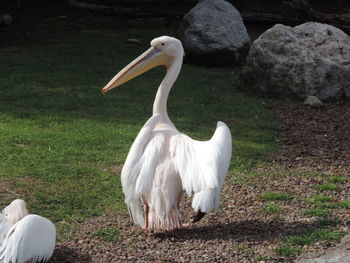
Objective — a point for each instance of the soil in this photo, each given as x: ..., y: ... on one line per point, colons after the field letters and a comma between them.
x: 311, y: 141
x: 315, y: 138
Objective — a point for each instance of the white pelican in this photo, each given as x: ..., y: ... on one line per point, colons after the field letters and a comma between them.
x: 162, y: 161
x: 25, y: 237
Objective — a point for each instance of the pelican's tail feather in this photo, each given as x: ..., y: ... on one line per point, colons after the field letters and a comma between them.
x: 170, y: 221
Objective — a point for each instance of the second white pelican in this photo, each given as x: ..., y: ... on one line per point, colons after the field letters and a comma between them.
x: 25, y: 237
x: 162, y: 161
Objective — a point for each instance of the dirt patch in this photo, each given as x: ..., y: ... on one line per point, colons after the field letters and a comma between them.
x: 316, y: 139
x: 312, y: 142
x: 7, y: 194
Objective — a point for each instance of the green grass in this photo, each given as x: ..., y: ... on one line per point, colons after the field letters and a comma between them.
x: 317, y: 212
x: 262, y: 258
x: 63, y: 143
x: 326, y: 221
x: 240, y: 248
x: 287, y: 250
x: 271, y: 209
x: 335, y: 179
x: 322, y: 198
x: 107, y: 234
x: 239, y: 180
x: 326, y: 187
x: 326, y: 205
x: 314, y: 236
x: 344, y: 204
x: 326, y: 202
x: 273, y: 196
x: 291, y: 245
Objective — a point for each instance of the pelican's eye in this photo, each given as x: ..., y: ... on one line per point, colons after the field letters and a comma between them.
x: 162, y: 44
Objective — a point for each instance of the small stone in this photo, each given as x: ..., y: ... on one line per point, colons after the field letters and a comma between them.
x: 133, y: 41
x: 313, y: 101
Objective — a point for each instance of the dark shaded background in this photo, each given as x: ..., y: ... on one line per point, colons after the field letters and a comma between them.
x: 335, y: 12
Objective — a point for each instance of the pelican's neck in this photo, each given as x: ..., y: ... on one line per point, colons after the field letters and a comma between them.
x: 160, y: 102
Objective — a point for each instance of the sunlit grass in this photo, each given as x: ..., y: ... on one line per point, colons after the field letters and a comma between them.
x: 317, y: 212
x: 270, y: 196
x: 326, y: 187
x: 344, y: 204
x: 292, y: 245
x: 314, y: 236
x: 335, y: 179
x: 285, y: 250
x: 322, y: 198
x: 262, y: 258
x: 271, y: 208
x: 107, y: 234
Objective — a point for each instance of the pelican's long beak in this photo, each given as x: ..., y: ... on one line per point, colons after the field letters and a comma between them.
x: 151, y: 58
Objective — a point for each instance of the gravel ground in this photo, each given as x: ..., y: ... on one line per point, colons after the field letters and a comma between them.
x: 310, y: 141
x: 315, y: 139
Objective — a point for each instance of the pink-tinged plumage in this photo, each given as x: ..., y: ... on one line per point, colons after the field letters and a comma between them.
x: 25, y: 237
x: 163, y: 162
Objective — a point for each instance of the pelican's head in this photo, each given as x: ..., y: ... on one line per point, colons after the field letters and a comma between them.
x: 163, y: 51
x: 15, y: 211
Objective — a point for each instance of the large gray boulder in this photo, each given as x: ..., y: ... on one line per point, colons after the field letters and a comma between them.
x: 311, y: 59
x: 213, y: 33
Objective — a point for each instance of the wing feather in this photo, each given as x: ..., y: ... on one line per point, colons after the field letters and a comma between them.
x: 138, y: 169
x: 203, y: 166
x: 149, y: 160
x: 5, y: 226
x: 32, y: 238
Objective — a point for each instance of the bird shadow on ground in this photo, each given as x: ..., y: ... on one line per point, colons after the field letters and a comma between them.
x: 64, y: 254
x: 249, y: 230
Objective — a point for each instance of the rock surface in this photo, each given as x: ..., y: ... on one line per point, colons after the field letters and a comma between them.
x: 213, y: 33
x: 311, y: 59
x: 5, y: 19
x: 338, y: 254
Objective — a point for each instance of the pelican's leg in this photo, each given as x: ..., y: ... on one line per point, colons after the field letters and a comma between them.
x: 198, y: 216
x: 146, y: 211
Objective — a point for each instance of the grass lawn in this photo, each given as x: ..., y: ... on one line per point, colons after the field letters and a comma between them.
x: 62, y: 143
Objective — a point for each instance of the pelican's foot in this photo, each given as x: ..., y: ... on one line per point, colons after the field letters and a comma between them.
x: 198, y: 216
x: 186, y: 225
x: 147, y: 230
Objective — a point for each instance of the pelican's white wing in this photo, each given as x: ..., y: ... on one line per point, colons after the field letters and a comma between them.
x: 203, y: 166
x: 15, y: 211
x: 31, y: 238
x: 136, y: 169
x: 5, y: 226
